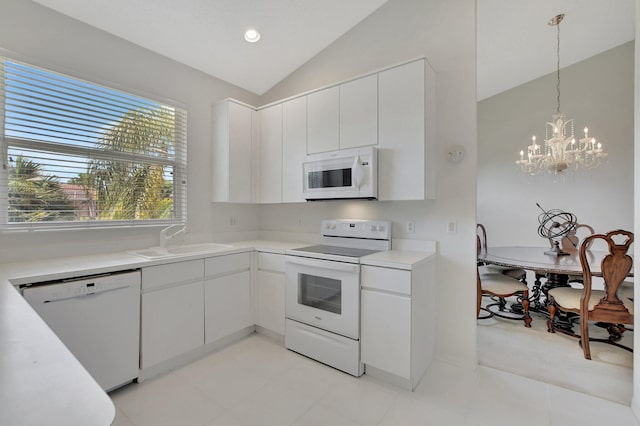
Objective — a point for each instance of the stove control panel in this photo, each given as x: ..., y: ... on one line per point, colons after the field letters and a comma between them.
x: 357, y: 228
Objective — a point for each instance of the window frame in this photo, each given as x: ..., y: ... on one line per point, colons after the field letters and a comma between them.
x: 179, y: 162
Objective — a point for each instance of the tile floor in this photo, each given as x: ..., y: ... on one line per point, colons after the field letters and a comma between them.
x: 256, y: 381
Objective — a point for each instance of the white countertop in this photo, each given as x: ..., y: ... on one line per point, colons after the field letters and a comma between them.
x: 41, y: 382
x: 398, y: 259
x: 268, y: 246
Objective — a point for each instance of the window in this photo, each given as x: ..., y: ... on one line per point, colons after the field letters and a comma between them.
x: 80, y: 154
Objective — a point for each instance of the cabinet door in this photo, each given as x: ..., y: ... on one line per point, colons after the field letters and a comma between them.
x: 172, y: 322
x: 271, y: 154
x: 359, y: 112
x: 294, y: 148
x: 232, y: 153
x: 271, y: 288
x: 401, y: 137
x: 227, y: 302
x: 386, y: 332
x: 322, y: 121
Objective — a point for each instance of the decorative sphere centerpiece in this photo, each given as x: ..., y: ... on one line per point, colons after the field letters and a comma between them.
x: 554, y: 225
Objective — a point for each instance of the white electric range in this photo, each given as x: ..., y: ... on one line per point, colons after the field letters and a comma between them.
x: 323, y: 292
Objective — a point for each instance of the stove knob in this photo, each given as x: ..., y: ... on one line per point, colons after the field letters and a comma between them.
x: 381, y: 228
x: 373, y: 227
x: 333, y: 226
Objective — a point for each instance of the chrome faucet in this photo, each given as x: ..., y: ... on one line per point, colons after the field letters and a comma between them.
x: 168, y: 233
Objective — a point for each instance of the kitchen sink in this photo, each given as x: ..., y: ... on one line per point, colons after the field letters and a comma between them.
x: 180, y: 250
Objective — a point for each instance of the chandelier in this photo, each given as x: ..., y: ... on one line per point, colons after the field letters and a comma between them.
x: 561, y: 149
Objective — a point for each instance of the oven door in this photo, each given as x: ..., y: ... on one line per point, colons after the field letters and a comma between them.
x: 324, y: 294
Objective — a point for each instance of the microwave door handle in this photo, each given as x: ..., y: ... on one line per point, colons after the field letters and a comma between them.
x: 357, y: 172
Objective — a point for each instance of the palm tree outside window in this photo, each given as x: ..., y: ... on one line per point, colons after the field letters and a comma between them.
x: 77, y: 153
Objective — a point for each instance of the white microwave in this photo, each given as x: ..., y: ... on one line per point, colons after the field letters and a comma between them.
x: 348, y: 173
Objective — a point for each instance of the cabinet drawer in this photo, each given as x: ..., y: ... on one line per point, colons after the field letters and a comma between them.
x: 172, y: 273
x: 271, y: 262
x: 221, y: 265
x: 393, y: 280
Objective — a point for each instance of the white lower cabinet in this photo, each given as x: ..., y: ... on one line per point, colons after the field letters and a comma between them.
x: 228, y: 305
x: 227, y: 295
x: 186, y: 305
x: 172, y: 311
x: 271, y: 292
x: 398, y: 322
x: 386, y: 332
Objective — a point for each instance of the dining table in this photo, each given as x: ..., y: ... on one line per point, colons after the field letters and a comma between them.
x: 555, y: 269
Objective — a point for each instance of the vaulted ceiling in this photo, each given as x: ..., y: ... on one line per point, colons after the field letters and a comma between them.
x: 515, y: 44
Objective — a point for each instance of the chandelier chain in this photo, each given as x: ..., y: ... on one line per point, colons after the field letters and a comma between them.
x: 558, y: 66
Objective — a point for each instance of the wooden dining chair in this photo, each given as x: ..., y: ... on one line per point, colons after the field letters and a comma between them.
x: 517, y: 273
x: 611, y: 305
x: 499, y: 286
x: 571, y: 243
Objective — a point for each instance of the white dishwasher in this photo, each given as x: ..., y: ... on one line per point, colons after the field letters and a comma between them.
x: 98, y: 319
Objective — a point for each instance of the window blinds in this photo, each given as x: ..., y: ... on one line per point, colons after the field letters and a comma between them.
x: 81, y: 154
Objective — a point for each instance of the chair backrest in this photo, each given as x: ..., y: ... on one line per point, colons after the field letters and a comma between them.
x: 481, y: 234
x: 615, y: 267
x: 571, y: 241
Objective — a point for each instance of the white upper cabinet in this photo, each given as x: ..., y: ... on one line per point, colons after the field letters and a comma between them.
x: 359, y: 112
x: 294, y: 143
x: 231, y: 170
x: 322, y: 120
x: 258, y: 155
x: 404, y: 129
x: 270, y: 185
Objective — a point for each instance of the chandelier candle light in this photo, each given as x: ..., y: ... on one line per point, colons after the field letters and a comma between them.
x: 561, y: 150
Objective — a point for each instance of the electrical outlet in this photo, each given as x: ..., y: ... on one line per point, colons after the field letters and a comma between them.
x: 411, y: 227
x: 452, y: 226
x: 232, y: 221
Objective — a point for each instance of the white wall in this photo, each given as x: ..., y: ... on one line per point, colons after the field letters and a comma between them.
x: 42, y: 37
x: 444, y: 32
x: 441, y: 30
x: 597, y: 93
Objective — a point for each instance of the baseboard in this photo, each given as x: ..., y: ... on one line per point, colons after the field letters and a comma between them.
x: 194, y: 355
x: 270, y: 334
x: 389, y: 378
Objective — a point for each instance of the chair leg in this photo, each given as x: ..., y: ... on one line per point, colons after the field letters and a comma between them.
x: 584, y: 337
x: 525, y: 307
x: 478, y: 295
x: 552, y: 313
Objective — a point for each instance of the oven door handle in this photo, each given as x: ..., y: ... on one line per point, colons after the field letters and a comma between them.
x: 334, y: 266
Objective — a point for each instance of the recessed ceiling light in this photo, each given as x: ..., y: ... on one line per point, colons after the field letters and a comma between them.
x: 252, y: 35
